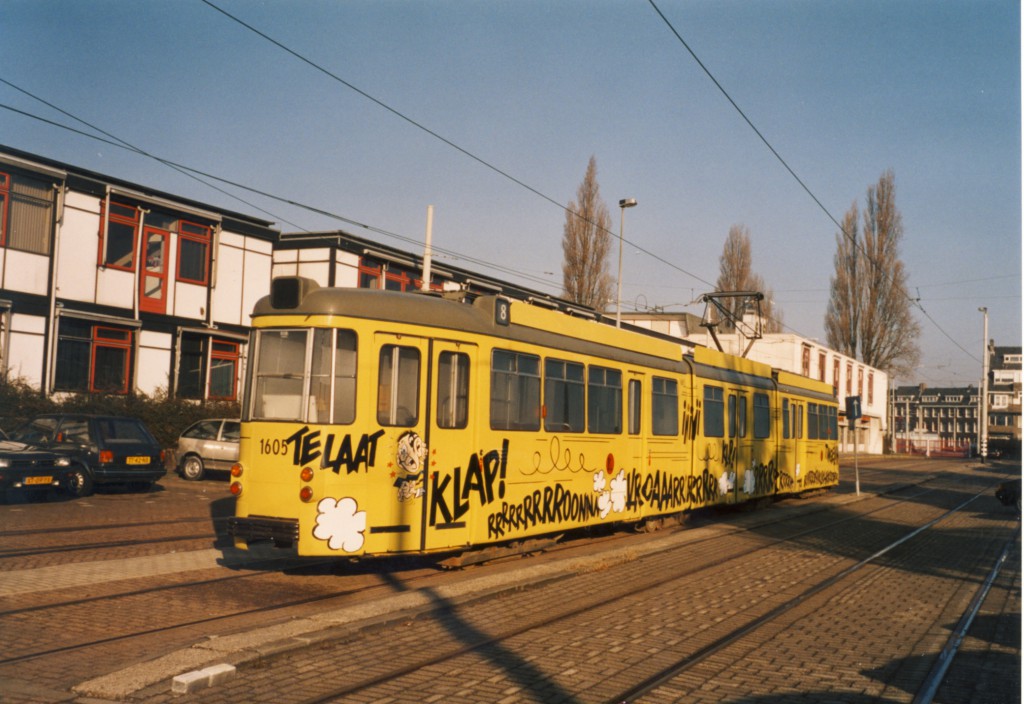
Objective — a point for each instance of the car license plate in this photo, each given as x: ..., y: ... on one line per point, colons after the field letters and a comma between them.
x: 38, y: 480
x: 138, y: 460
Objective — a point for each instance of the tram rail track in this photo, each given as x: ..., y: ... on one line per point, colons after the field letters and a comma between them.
x: 496, y: 641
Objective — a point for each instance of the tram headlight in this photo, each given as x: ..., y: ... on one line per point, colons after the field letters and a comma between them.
x: 306, y: 494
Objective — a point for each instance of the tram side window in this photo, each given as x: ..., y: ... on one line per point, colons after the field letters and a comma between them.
x: 564, y: 397
x: 515, y: 391
x: 398, y: 386
x: 280, y: 375
x: 812, y: 421
x: 785, y: 419
x: 664, y: 406
x: 762, y: 416
x: 833, y: 423
x: 452, y: 390
x: 714, y: 412
x: 604, y: 400
x: 337, y: 348
x: 798, y: 420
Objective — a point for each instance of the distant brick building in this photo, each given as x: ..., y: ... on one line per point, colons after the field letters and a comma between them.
x: 945, y: 420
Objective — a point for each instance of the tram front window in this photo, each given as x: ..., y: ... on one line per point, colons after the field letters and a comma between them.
x: 285, y: 389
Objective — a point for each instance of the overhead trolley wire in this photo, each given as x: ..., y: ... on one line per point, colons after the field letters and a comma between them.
x: 914, y: 301
x: 194, y: 173
x: 118, y: 142
x: 418, y: 125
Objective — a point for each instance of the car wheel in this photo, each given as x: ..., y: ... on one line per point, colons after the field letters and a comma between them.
x: 81, y: 482
x: 192, y: 468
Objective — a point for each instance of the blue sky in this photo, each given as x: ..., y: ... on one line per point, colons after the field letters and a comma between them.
x: 842, y: 90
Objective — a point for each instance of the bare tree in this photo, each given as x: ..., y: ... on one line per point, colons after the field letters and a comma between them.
x: 586, y: 245
x: 736, y: 274
x: 842, y: 321
x: 869, y: 315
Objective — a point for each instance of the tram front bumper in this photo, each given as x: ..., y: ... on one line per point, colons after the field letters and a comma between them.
x: 282, y: 532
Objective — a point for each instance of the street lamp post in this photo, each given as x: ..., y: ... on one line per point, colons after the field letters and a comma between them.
x: 623, y: 204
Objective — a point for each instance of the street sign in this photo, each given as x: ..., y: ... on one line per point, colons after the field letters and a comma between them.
x: 853, y: 410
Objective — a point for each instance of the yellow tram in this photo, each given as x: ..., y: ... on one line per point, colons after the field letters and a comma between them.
x: 377, y: 422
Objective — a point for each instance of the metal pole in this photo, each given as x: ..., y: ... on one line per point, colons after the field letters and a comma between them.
x: 983, y: 443
x: 856, y: 464
x: 427, y: 251
x: 618, y: 294
x: 623, y: 204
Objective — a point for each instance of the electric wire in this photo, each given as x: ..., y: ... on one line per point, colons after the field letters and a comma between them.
x: 914, y: 302
x: 418, y: 125
x: 131, y: 147
x: 319, y: 211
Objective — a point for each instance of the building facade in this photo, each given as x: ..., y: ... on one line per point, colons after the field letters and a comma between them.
x: 110, y: 287
x: 945, y: 421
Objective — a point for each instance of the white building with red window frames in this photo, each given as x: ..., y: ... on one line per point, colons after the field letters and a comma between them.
x: 111, y: 287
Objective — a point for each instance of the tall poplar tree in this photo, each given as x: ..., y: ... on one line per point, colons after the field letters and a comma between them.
x: 736, y: 274
x: 869, y: 314
x: 586, y: 245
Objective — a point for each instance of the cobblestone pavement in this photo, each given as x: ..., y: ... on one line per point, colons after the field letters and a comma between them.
x: 624, y: 609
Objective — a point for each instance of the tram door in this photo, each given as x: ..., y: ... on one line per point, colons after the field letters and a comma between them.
x: 739, y: 451
x: 462, y: 478
x: 395, y: 494
x: 793, y: 447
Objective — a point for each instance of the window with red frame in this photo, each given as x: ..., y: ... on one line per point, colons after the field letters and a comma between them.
x: 119, y: 241
x: 224, y: 370
x: 93, y: 358
x: 193, y: 253
x: 199, y: 353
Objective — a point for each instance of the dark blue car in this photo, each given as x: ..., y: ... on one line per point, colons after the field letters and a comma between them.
x: 27, y: 471
x: 101, y: 449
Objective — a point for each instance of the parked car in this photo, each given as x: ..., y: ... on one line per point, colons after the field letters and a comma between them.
x: 27, y: 471
x: 102, y: 449
x: 210, y: 444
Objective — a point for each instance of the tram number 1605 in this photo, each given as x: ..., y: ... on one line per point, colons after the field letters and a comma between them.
x: 273, y: 447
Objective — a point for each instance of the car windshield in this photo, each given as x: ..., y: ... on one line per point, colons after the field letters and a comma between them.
x: 35, y: 432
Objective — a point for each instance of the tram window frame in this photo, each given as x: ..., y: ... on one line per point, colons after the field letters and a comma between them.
x: 274, y: 382
x: 762, y: 416
x: 515, y: 391
x: 785, y: 419
x: 714, y: 411
x: 400, y: 367
x: 565, y: 396
x: 664, y: 406
x: 604, y: 400
x: 737, y: 416
x: 634, y: 399
x: 812, y: 421
x: 333, y: 389
x: 798, y: 421
x: 452, y: 390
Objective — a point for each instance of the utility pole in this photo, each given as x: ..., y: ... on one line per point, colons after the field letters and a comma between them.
x: 983, y: 421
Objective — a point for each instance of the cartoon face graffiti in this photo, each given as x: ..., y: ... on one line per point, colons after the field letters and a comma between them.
x: 412, y: 451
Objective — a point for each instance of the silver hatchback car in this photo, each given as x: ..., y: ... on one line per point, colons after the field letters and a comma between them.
x: 210, y: 444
